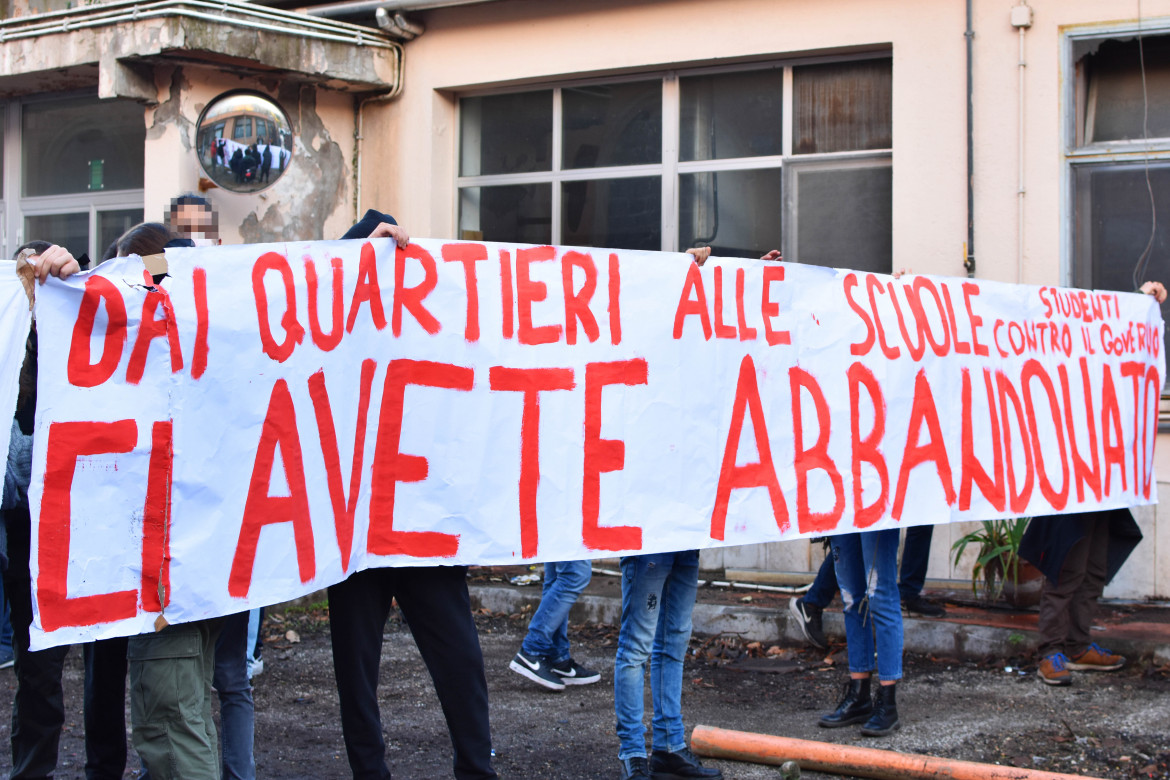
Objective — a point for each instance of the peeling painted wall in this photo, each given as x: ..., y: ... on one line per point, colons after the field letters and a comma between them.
x: 311, y: 201
x: 13, y: 8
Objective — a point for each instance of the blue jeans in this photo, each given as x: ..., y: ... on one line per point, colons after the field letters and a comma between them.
x: 867, y: 571
x: 658, y: 592
x: 5, y: 622
x: 548, y: 631
x: 236, y: 710
x: 824, y: 586
x: 255, y: 619
x: 915, y: 557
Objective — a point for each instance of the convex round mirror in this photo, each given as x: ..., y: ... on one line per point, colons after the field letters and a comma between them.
x: 244, y: 141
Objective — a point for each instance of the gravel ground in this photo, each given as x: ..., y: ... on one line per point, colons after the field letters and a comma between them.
x: 1106, y: 726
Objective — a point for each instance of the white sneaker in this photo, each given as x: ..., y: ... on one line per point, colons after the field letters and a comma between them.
x: 255, y: 667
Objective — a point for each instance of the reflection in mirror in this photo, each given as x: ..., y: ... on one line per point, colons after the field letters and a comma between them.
x: 244, y: 141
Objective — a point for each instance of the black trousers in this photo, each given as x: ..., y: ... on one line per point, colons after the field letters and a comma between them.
x: 435, y: 603
x: 38, y: 708
x: 105, y: 708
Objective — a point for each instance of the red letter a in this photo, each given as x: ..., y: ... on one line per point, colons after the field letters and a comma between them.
x: 149, y: 329
x: 261, y: 508
x: 696, y: 305
x: 749, y: 475
x: 343, y: 509
x: 923, y: 411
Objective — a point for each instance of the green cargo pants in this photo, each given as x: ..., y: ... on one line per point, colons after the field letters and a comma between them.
x: 170, y: 700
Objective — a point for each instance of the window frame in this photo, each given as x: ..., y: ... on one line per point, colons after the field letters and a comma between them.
x: 1074, y: 97
x: 14, y: 207
x: 671, y: 167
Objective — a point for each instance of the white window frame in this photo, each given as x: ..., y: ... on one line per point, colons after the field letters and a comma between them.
x: 671, y: 167
x: 14, y: 208
x: 1136, y: 152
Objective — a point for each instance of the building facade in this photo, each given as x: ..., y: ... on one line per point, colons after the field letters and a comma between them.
x: 1018, y: 142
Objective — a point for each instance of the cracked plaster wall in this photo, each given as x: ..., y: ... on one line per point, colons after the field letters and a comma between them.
x: 311, y: 201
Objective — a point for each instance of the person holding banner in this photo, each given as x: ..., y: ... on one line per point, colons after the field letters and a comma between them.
x: 658, y: 594
x: 544, y: 655
x: 807, y: 609
x: 437, y: 608
x: 171, y: 669
x: 193, y: 217
x: 1078, y: 555
x: 867, y: 573
x: 38, y: 708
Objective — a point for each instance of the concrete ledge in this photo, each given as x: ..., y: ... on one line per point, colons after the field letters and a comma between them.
x: 927, y: 636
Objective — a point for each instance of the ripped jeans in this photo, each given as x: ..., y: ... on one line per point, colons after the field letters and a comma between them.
x: 658, y: 594
x: 868, y: 563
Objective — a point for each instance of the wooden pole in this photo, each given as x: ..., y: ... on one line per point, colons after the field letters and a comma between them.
x: 852, y: 761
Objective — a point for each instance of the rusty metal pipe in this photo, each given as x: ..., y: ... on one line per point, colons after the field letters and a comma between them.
x: 852, y: 761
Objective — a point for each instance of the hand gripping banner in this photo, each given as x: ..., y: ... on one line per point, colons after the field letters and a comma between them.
x: 271, y: 418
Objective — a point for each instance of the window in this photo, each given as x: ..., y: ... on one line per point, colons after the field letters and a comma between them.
x: 1119, y: 162
x: 789, y: 156
x: 242, y: 129
x: 72, y: 171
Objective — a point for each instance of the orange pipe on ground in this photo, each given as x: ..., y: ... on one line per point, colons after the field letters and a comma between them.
x: 853, y: 761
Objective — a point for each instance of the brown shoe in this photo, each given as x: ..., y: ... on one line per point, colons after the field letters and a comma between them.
x: 1096, y: 659
x: 1053, y: 670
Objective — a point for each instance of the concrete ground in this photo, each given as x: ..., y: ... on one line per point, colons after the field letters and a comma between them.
x: 956, y: 701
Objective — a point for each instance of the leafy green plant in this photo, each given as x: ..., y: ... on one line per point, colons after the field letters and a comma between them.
x: 998, y: 543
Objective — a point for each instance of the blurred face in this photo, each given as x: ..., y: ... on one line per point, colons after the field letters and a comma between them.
x: 197, y: 223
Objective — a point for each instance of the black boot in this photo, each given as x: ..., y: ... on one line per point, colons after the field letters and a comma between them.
x: 885, y: 713
x: 854, y: 707
x: 683, y: 765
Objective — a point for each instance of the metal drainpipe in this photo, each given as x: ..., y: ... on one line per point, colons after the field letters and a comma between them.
x: 358, y: 136
x: 1021, y: 189
x: 969, y: 260
x: 353, y: 7
x: 1021, y: 19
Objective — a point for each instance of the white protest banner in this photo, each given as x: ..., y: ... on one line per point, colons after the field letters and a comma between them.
x: 271, y: 418
x: 15, y: 317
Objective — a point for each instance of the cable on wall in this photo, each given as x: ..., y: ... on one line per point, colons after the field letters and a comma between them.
x: 1143, y: 262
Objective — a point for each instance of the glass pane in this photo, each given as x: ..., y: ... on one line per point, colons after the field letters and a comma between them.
x: 844, y: 218
x: 733, y: 115
x: 81, y: 146
x: 111, y: 225
x: 1113, y: 219
x: 506, y: 133
x: 68, y: 230
x: 736, y: 213
x: 842, y: 107
x: 1116, y: 100
x: 613, y: 124
x: 520, y: 213
x: 613, y: 213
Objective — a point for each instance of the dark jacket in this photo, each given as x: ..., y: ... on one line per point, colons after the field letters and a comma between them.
x: 1049, y: 538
